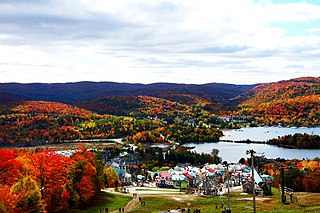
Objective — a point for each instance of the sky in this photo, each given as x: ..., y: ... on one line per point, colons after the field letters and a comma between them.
x: 148, y: 41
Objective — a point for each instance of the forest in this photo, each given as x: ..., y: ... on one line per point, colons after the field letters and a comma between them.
x: 300, y: 175
x: 36, y: 180
x: 42, y: 180
x: 41, y: 122
x: 195, y: 111
x: 295, y: 102
x: 297, y: 141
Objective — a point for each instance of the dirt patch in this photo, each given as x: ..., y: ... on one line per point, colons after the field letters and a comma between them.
x: 177, y: 199
x: 258, y: 199
x: 181, y: 198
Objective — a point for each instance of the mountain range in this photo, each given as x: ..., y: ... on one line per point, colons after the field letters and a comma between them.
x: 87, y: 91
x: 42, y: 113
x: 295, y: 101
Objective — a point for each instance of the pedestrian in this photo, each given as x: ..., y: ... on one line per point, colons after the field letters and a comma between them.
x: 107, y: 210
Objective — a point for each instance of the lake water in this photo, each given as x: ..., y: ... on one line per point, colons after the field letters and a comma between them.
x: 232, y: 152
x: 265, y: 133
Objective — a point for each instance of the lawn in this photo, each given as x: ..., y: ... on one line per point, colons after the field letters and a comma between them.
x: 104, y: 200
x: 307, y: 202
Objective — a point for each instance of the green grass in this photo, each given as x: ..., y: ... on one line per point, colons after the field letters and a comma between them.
x: 104, y: 200
x: 307, y: 202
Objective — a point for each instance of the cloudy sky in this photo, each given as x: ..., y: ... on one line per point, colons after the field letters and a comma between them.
x: 147, y: 41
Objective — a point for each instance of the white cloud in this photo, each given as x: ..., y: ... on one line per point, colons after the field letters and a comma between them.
x: 186, y: 41
x: 313, y: 30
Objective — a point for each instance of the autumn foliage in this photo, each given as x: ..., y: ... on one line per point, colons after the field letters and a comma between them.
x: 293, y: 102
x: 36, y: 122
x: 298, y: 140
x: 40, y: 122
x: 38, y: 181
x: 300, y: 175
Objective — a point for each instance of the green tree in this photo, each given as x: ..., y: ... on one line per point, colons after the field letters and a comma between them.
x: 28, y: 196
x: 214, y: 153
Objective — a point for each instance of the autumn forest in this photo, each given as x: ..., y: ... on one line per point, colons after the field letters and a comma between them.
x: 36, y: 114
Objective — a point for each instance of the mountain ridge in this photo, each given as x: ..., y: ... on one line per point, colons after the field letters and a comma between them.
x: 87, y: 90
x: 172, y: 113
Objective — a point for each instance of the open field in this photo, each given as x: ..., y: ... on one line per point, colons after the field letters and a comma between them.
x: 108, y: 200
x: 307, y: 202
x: 161, y: 201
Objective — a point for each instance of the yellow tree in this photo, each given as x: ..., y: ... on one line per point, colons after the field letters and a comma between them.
x: 111, y: 177
x: 28, y: 196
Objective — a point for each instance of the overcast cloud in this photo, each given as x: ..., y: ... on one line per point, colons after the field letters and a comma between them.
x: 143, y: 41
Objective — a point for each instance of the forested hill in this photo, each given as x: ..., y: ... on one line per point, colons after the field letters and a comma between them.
x: 134, y: 105
x: 10, y: 98
x: 290, y: 102
x: 295, y: 102
x: 85, y: 91
x: 155, y: 120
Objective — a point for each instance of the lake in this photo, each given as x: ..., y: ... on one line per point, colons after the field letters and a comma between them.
x: 232, y: 152
x: 265, y: 133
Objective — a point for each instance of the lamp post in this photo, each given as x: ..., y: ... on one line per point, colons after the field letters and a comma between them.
x: 227, y: 165
x: 251, y: 152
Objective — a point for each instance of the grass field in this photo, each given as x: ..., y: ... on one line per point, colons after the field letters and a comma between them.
x: 104, y: 200
x: 307, y: 202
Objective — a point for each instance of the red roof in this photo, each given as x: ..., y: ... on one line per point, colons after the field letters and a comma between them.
x: 165, y: 175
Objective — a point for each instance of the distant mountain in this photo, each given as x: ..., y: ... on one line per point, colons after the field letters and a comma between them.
x: 85, y: 91
x: 295, y: 102
x: 31, y: 114
x: 126, y: 105
x: 292, y: 102
x: 114, y: 105
x: 10, y: 98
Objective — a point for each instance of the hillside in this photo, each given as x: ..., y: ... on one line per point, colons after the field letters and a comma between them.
x: 126, y: 105
x: 172, y: 114
x: 8, y: 100
x: 39, y: 122
x: 168, y: 111
x: 114, y: 105
x: 34, y: 122
x: 85, y: 91
x: 293, y: 102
